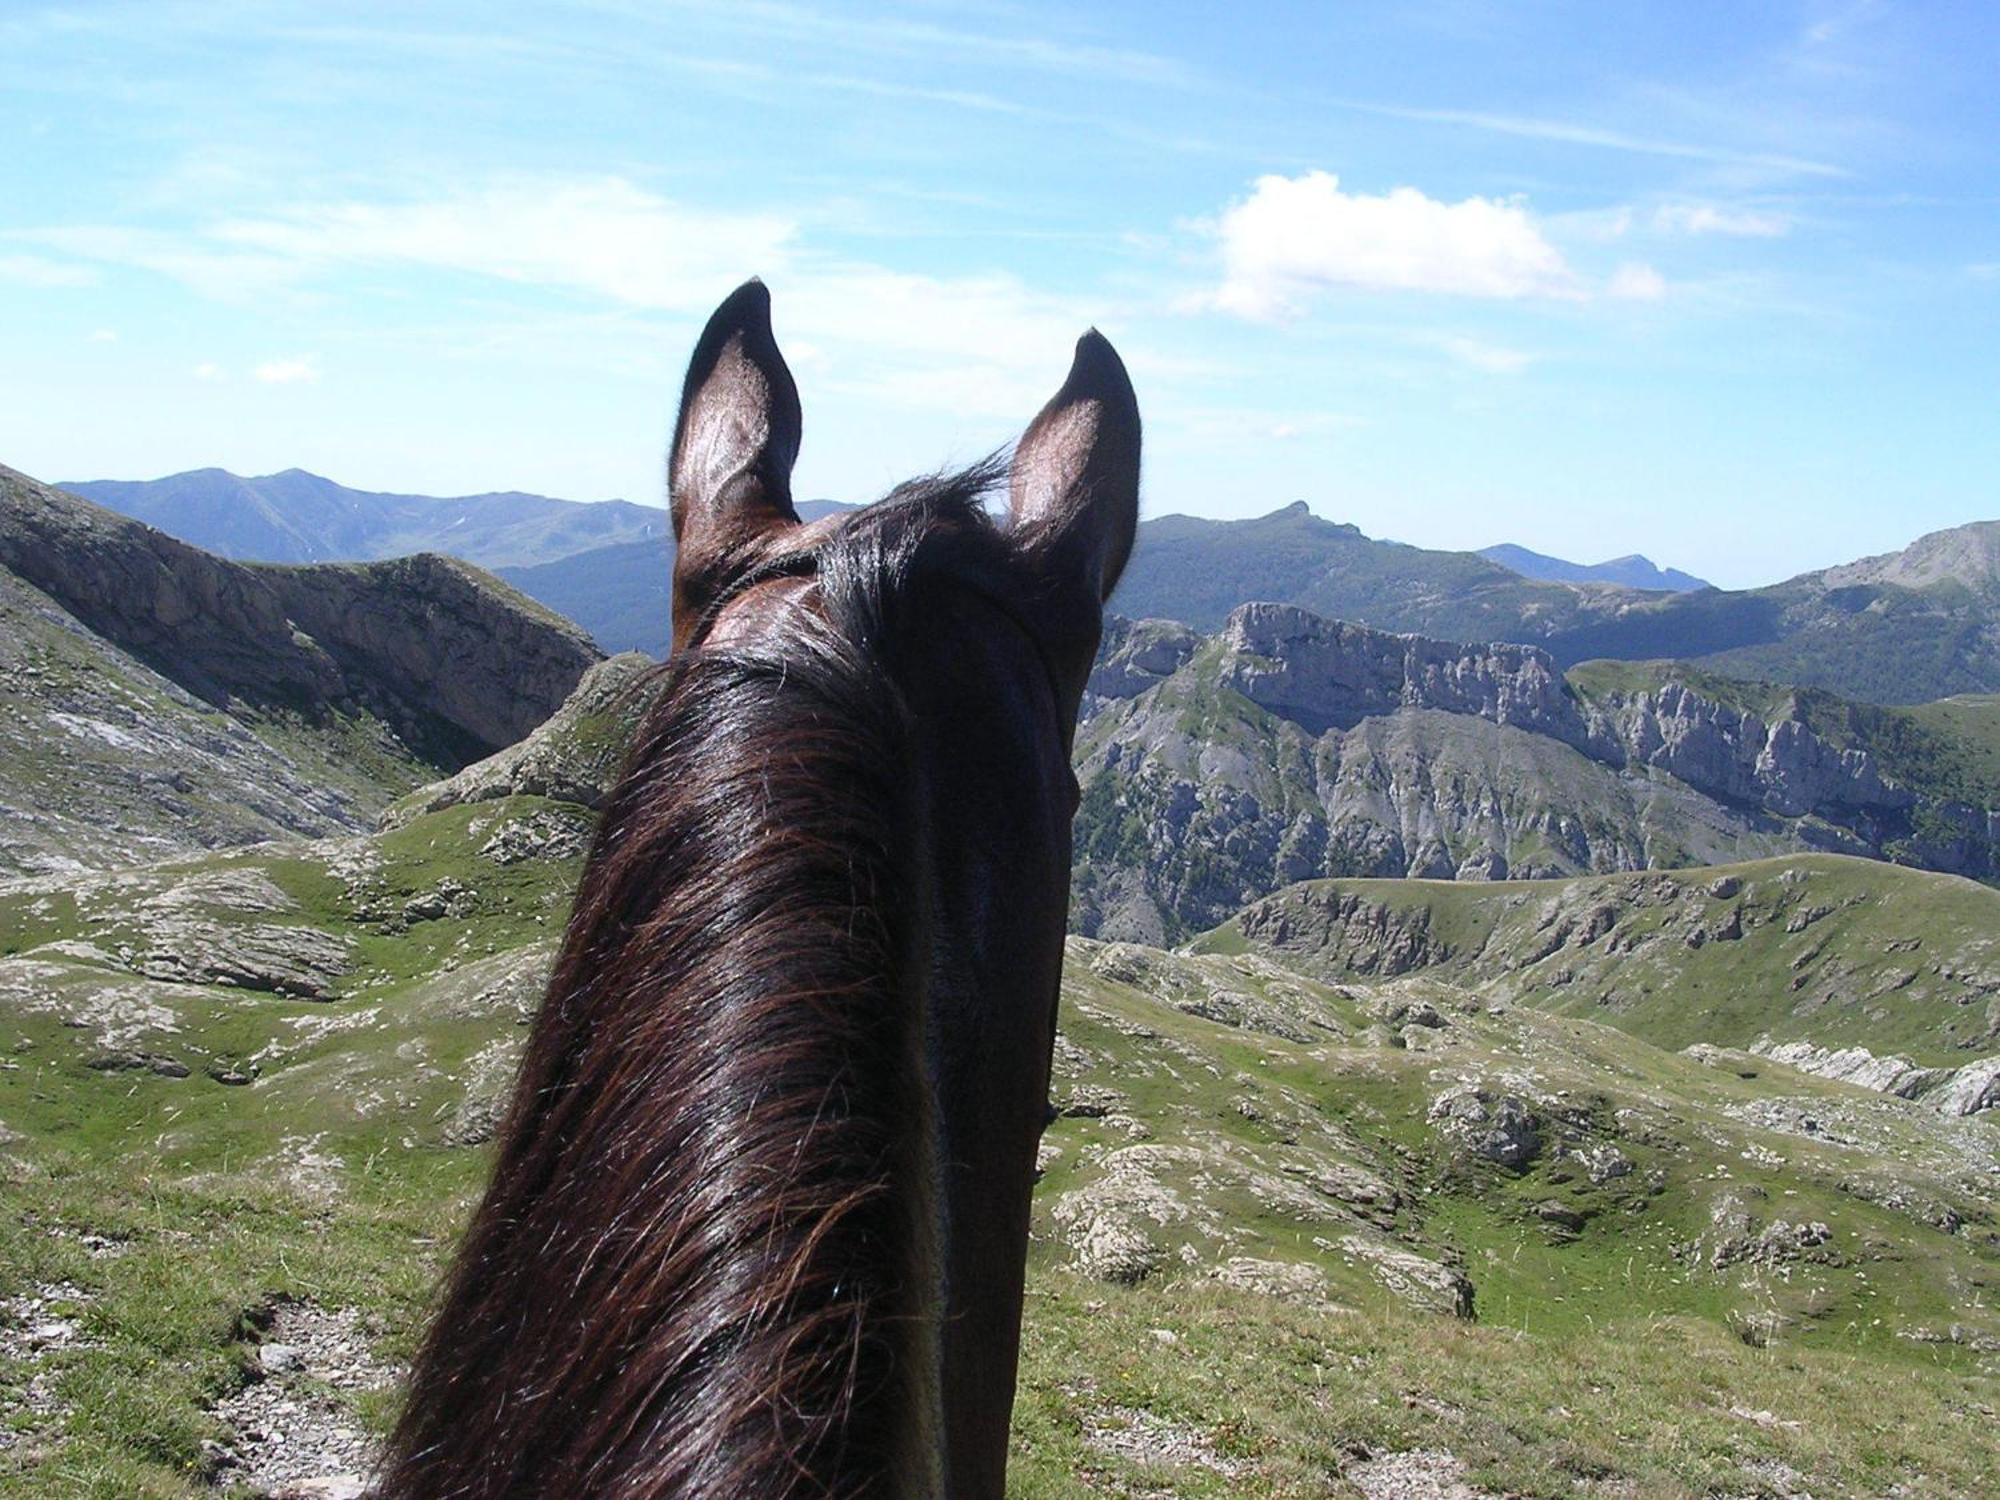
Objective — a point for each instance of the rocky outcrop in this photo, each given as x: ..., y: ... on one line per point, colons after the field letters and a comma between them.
x: 1779, y: 765
x: 1135, y: 655
x: 1355, y: 934
x: 454, y: 662
x: 573, y: 756
x: 1323, y: 674
x: 1288, y: 747
x: 1966, y: 1090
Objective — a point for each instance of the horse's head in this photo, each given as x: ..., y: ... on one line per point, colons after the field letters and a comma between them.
x: 759, y: 1215
x: 987, y: 634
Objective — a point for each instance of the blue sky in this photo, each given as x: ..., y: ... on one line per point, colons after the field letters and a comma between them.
x: 1718, y: 283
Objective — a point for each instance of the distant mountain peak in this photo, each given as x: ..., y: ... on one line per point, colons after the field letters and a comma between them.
x: 296, y: 516
x: 1632, y: 571
x: 1968, y: 554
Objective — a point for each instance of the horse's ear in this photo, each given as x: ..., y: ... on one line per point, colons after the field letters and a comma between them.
x: 1074, y: 486
x: 729, y: 479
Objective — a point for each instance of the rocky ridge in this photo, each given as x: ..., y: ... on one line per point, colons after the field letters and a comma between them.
x: 1288, y: 746
x: 1849, y: 969
x: 1909, y: 627
x: 453, y: 661
x: 156, y: 699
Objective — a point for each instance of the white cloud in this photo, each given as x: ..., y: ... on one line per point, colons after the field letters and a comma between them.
x: 975, y: 345
x: 35, y: 271
x: 287, y: 371
x: 1294, y: 236
x: 1710, y: 218
x: 225, y: 275
x: 600, y: 235
x: 1493, y: 359
x: 1570, y: 133
x: 207, y: 370
x: 1636, y: 282
x: 984, y: 345
x: 103, y: 336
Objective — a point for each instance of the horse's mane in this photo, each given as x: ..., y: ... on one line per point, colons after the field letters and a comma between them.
x: 705, y: 1266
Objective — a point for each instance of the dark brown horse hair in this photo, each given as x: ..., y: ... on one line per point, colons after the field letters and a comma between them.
x: 704, y: 1265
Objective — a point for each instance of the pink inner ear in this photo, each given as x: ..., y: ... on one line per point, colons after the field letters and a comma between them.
x: 731, y: 465
x: 1049, y: 474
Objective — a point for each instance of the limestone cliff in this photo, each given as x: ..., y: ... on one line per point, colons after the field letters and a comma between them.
x: 453, y: 660
x: 154, y: 698
x: 1288, y: 746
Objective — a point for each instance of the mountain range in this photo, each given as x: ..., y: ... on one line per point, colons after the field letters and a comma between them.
x: 296, y: 517
x: 1287, y: 746
x: 1632, y: 572
x: 1394, y: 1187
x: 1907, y: 627
x: 154, y: 697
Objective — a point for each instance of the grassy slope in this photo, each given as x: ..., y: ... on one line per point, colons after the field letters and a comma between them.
x: 1836, y: 951
x: 1949, y: 749
x: 103, y: 761
x: 334, y: 1178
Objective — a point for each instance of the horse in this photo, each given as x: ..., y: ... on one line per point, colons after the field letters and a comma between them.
x: 758, y: 1221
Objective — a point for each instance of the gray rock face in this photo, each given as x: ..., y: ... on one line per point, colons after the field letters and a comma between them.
x: 1966, y: 1090
x: 156, y: 700
x: 449, y: 657
x: 1135, y: 655
x: 1730, y: 753
x: 573, y: 756
x: 1361, y: 936
x: 1500, y: 1129
x: 1288, y: 747
x: 1324, y: 674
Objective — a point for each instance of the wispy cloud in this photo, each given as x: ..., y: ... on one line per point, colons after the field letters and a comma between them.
x: 195, y: 260
x: 207, y: 370
x: 1713, y: 218
x: 848, y: 32
x: 972, y: 344
x: 1490, y: 359
x: 103, y: 336
x: 36, y: 271
x: 298, y: 371
x: 604, y: 236
x: 1636, y: 282
x: 1571, y: 133
x: 1295, y: 236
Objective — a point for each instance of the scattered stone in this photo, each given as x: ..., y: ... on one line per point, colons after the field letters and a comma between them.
x: 126, y: 1060
x: 1420, y: 1474
x: 448, y: 898
x: 1420, y: 1281
x: 1503, y: 1130
x: 540, y: 835
x: 292, y: 1429
x: 276, y: 1359
x: 1140, y: 1437
x: 1554, y: 1211
x: 1090, y: 1101
x: 1604, y: 1163
x: 1286, y: 1281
